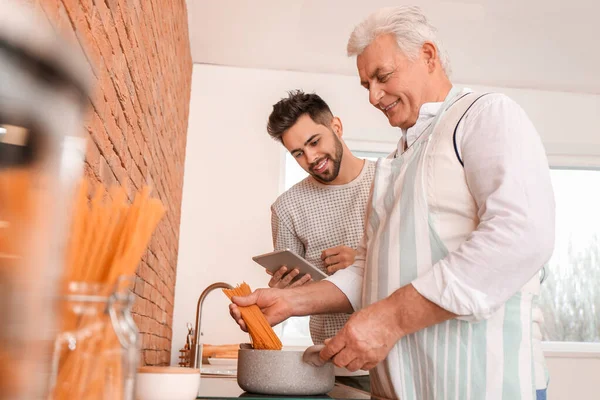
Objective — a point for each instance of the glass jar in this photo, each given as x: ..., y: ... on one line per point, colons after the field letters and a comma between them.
x: 96, y: 352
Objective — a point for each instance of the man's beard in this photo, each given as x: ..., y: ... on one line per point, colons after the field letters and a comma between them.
x: 336, y: 160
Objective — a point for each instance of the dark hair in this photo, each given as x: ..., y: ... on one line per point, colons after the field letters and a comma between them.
x: 287, y: 111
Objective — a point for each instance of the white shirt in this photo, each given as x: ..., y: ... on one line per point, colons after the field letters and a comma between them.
x: 506, y: 170
x: 426, y: 115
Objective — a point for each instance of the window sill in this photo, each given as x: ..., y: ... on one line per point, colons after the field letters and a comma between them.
x: 571, y: 349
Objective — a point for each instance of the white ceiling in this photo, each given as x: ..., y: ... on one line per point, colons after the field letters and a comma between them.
x: 539, y: 44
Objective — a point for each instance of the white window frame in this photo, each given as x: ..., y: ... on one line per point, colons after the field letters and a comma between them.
x: 566, y: 155
x: 556, y: 349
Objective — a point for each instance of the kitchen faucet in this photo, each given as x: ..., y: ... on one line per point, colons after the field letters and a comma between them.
x: 196, y: 357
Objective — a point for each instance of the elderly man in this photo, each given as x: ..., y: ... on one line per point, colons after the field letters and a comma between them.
x: 459, y: 223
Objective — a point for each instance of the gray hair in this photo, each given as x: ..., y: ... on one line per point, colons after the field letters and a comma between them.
x: 407, y: 23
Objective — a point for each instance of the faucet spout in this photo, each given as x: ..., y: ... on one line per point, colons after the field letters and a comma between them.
x: 195, y: 354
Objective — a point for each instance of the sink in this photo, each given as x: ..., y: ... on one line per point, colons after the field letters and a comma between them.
x: 223, y: 370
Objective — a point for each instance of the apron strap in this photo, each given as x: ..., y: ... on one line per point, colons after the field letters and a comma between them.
x: 465, y: 104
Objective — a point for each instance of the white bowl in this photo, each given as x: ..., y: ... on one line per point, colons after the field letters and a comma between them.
x: 167, y: 383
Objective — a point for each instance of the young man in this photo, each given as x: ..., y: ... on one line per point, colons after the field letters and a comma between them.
x: 322, y: 217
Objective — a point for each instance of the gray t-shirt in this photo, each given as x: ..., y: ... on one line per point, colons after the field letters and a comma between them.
x: 311, y: 217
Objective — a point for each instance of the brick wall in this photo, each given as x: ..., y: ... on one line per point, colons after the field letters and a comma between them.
x: 139, y: 54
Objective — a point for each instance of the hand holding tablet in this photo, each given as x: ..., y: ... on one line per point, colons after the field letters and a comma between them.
x: 275, y: 260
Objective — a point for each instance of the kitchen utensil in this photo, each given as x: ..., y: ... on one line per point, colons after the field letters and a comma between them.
x: 189, y: 338
x: 281, y: 372
x: 167, y: 383
x: 184, y: 353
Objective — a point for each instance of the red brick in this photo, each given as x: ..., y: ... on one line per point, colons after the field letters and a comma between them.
x: 154, y: 296
x: 165, y: 357
x: 140, y: 287
x: 144, y: 325
x: 150, y: 357
x: 147, y: 291
x: 93, y: 155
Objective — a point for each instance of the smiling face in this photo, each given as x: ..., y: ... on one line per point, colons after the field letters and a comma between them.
x: 317, y: 148
x: 397, y: 85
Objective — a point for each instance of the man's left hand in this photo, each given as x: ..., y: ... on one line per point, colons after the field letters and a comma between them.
x: 338, y: 257
x: 365, y: 339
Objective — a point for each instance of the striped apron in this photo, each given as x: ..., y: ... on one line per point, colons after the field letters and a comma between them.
x: 457, y: 359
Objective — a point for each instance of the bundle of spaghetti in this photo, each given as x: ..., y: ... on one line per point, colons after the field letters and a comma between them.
x: 108, y: 237
x: 17, y: 209
x: 16, y: 214
x: 263, y: 337
x: 107, y: 240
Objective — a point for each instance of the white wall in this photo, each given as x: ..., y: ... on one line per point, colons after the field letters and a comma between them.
x: 233, y: 174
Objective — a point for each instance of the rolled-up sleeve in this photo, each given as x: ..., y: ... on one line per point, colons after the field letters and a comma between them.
x: 507, y: 173
x: 350, y: 280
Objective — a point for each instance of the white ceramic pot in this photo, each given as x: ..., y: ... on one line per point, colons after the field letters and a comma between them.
x: 167, y: 383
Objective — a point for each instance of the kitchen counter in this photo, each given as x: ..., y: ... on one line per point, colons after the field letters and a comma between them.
x: 226, y: 387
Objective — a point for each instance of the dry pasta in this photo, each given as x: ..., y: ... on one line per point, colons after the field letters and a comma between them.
x: 107, y: 240
x: 263, y: 337
x: 17, y: 219
x: 108, y: 237
x: 16, y: 212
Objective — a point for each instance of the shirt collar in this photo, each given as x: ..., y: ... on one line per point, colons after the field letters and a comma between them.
x: 427, y: 112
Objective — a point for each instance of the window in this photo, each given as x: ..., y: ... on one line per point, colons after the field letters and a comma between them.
x: 293, y: 172
x: 570, y: 296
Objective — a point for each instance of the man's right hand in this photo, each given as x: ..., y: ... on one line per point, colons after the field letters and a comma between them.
x: 272, y: 302
x: 281, y: 280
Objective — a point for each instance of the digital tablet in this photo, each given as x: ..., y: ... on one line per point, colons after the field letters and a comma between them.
x: 276, y: 259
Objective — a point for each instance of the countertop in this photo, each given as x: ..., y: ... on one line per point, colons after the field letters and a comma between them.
x: 226, y: 387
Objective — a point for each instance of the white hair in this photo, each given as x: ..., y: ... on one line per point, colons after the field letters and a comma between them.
x: 407, y: 23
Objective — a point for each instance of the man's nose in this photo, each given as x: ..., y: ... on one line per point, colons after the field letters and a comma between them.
x: 311, y: 155
x: 375, y: 95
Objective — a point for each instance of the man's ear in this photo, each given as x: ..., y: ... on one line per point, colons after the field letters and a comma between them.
x: 337, y: 127
x: 430, y: 55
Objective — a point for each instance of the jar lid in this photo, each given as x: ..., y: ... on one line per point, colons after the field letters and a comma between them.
x: 148, y: 369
